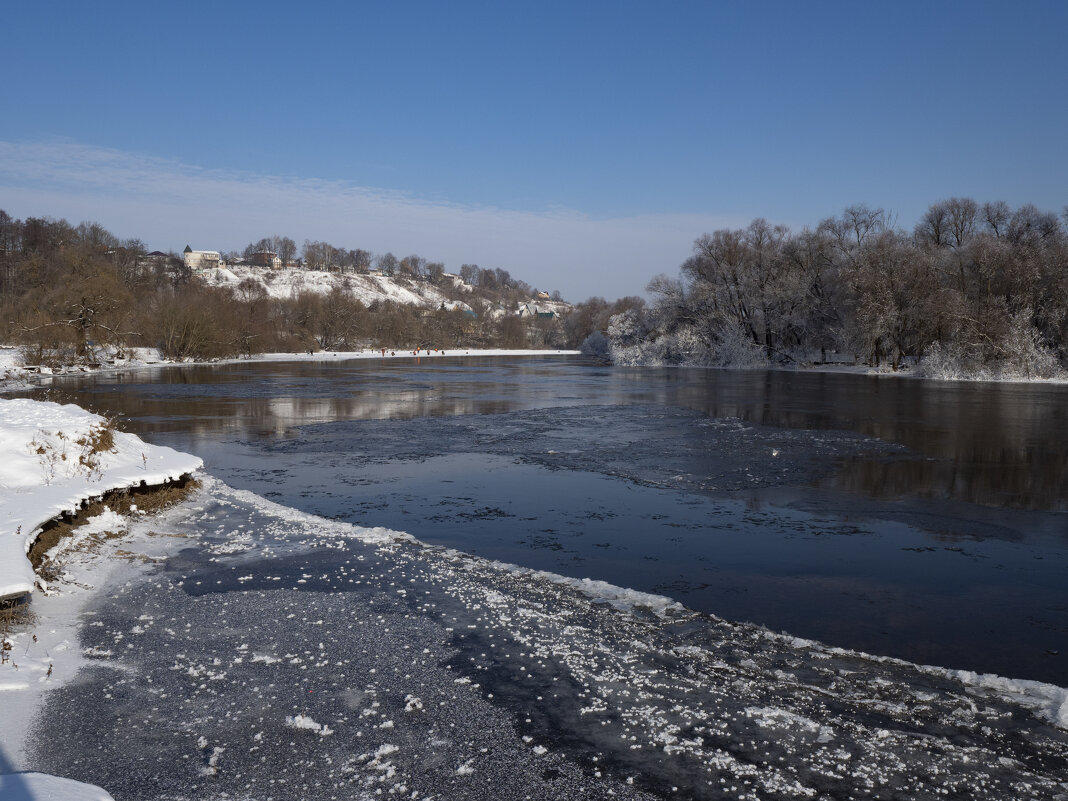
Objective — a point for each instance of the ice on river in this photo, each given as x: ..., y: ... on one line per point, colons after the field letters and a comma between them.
x: 281, y: 655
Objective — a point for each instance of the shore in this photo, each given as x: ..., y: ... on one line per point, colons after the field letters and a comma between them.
x: 14, y: 377
x: 57, y: 459
x: 233, y: 647
x: 59, y: 463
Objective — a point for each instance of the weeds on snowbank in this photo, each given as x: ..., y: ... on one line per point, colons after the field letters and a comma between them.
x: 57, y: 451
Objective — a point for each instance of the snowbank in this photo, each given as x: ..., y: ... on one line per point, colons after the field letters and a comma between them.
x: 52, y: 462
x: 42, y: 787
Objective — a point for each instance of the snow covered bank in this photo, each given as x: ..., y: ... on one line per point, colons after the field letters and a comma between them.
x: 55, y: 458
x: 341, y: 355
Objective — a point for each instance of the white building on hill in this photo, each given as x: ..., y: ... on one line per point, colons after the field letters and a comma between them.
x: 201, y: 259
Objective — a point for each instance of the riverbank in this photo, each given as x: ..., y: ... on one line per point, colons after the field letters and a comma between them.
x: 57, y: 459
x: 65, y: 477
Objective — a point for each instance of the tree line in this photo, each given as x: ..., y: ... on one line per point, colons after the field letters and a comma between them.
x: 972, y: 290
x: 69, y: 294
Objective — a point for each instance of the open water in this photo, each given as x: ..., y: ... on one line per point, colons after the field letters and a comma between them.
x: 916, y: 519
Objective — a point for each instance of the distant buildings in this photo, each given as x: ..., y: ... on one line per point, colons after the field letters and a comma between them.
x: 266, y: 258
x: 532, y: 309
x: 201, y: 259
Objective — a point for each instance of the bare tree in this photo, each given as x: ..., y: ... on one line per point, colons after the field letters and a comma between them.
x: 996, y: 216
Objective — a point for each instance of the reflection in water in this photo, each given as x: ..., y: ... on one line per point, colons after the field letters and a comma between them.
x: 985, y: 443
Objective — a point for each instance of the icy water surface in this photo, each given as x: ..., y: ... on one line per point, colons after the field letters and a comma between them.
x: 283, y: 656
x: 922, y: 520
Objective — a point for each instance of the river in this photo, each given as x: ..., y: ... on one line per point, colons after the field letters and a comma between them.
x: 917, y: 519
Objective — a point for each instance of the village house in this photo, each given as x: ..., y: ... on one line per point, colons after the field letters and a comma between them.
x: 531, y: 309
x: 198, y: 260
x: 266, y: 258
x: 156, y: 261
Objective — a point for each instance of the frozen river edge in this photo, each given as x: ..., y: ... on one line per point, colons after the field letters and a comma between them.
x: 243, y: 649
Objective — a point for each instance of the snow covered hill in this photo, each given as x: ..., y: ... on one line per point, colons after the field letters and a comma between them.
x: 366, y: 287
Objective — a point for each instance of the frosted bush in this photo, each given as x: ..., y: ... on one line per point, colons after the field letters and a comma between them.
x: 737, y: 349
x: 1019, y: 354
x: 1026, y: 356
x: 948, y: 362
x: 596, y: 345
x: 627, y: 328
x: 642, y: 354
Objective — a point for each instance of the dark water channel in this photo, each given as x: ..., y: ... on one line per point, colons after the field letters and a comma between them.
x: 924, y: 520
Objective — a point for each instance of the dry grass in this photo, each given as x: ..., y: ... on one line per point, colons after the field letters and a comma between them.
x: 15, y: 613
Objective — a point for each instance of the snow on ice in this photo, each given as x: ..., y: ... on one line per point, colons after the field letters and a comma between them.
x: 323, y: 660
x: 42, y: 787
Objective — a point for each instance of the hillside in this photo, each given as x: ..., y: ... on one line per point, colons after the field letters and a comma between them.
x: 66, y: 292
x: 364, y: 287
x: 372, y: 287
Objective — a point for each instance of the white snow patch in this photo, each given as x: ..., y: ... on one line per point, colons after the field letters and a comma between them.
x: 303, y: 721
x: 1046, y: 700
x: 42, y: 787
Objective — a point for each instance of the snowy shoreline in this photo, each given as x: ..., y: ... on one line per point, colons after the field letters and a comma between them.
x: 14, y: 377
x: 49, y: 470
x: 687, y: 698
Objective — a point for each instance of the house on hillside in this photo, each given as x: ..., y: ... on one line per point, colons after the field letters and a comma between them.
x: 532, y: 309
x: 544, y: 296
x: 538, y: 311
x: 156, y: 261
x: 199, y: 260
x: 266, y: 258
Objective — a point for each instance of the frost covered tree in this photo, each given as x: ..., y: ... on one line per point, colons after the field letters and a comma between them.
x: 979, y: 289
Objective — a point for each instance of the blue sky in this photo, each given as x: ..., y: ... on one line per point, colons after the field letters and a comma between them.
x: 581, y: 146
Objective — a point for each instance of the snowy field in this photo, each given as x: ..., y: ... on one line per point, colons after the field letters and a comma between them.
x: 235, y: 648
